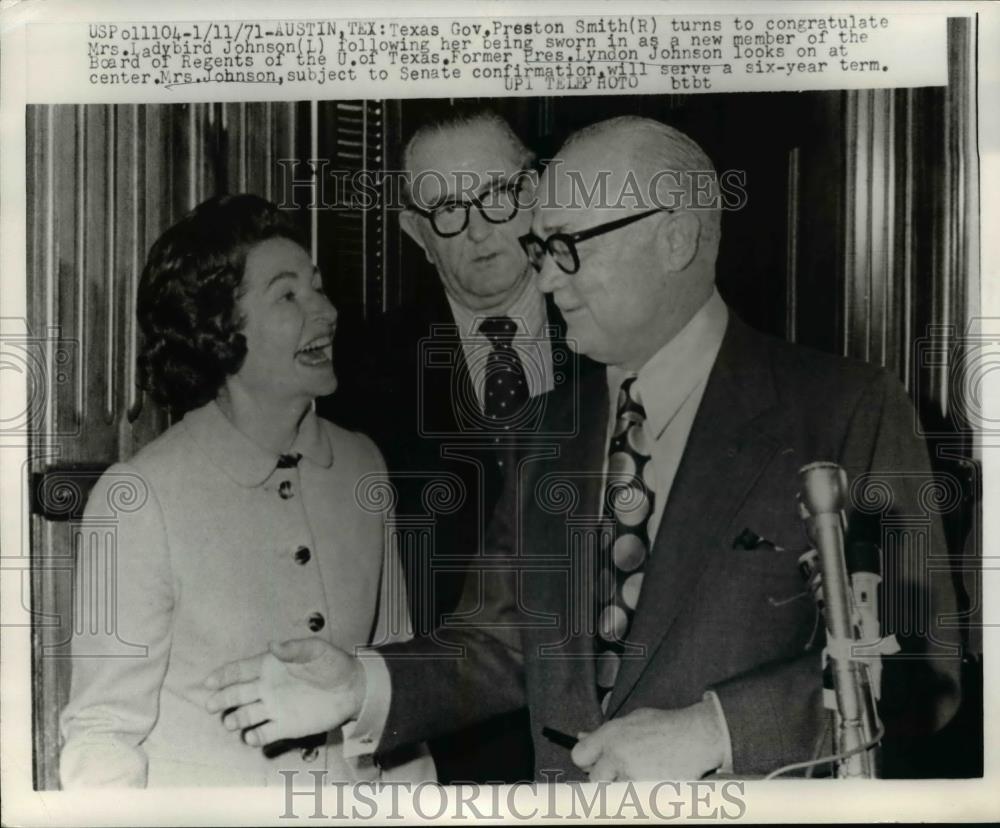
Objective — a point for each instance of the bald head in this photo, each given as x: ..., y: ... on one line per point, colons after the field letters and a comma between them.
x: 638, y: 282
x: 651, y: 165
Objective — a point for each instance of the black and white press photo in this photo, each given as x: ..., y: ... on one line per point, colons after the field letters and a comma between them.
x: 612, y: 423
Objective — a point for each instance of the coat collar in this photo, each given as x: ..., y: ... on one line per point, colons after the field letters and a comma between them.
x: 674, y: 372
x: 528, y: 313
x: 239, y: 457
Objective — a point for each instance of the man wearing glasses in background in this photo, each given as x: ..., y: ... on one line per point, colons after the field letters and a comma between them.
x: 452, y: 380
x: 684, y: 641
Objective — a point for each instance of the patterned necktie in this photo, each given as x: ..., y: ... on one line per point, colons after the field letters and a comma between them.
x: 629, y: 497
x: 505, y: 390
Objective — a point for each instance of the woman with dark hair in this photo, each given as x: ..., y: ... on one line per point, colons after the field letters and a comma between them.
x: 249, y: 523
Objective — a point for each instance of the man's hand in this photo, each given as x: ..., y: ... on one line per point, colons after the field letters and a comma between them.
x: 299, y: 688
x: 650, y: 744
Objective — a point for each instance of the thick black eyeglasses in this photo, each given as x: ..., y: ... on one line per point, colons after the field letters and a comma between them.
x: 497, y: 205
x: 562, y: 246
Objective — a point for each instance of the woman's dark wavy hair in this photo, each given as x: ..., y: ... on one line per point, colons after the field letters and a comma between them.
x: 187, y: 297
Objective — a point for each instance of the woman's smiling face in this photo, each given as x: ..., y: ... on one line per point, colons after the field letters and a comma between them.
x: 288, y: 324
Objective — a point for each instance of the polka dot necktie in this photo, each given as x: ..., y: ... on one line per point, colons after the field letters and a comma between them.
x: 505, y: 390
x: 629, y: 496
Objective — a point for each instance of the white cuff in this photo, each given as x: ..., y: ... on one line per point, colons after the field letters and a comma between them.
x: 727, y: 761
x: 362, y: 735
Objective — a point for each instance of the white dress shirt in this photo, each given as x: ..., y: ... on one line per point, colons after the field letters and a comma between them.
x: 671, y: 385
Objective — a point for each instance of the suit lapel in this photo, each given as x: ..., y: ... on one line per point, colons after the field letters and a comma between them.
x: 446, y: 384
x: 567, y: 658
x: 564, y: 358
x: 556, y: 323
x: 727, y: 449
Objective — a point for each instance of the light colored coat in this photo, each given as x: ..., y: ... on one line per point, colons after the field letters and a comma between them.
x: 203, y: 541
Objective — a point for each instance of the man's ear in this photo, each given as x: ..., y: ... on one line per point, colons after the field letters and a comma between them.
x: 679, y: 237
x: 410, y: 222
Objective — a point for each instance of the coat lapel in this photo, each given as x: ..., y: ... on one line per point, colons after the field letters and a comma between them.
x: 727, y: 450
x: 444, y: 380
x: 566, y: 657
x: 567, y: 365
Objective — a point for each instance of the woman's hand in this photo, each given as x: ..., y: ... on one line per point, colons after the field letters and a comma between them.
x: 298, y: 688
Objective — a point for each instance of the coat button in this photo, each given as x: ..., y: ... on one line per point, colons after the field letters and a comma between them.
x: 285, y: 489
x: 316, y: 621
x: 309, y: 754
x: 302, y: 555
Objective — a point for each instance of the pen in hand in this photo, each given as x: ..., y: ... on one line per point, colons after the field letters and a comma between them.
x: 557, y: 737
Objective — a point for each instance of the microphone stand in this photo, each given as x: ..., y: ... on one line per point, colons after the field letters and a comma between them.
x: 821, y: 503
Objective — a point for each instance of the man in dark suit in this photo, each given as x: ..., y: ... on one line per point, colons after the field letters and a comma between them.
x: 646, y: 593
x: 446, y: 384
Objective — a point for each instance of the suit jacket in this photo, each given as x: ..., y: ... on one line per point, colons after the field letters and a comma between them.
x: 404, y: 381
x: 710, y: 615
x: 206, y: 552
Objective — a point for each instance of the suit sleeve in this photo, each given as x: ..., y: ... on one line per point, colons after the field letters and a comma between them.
x: 392, y: 624
x: 123, y: 608
x: 897, y: 502
x: 774, y: 713
x: 471, y: 669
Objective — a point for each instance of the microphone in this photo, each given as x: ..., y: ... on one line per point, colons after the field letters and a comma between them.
x: 822, y: 499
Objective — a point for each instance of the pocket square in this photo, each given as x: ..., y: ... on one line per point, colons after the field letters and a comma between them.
x: 749, y: 540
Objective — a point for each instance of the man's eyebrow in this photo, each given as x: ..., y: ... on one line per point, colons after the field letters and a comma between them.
x: 492, y: 183
x: 551, y: 228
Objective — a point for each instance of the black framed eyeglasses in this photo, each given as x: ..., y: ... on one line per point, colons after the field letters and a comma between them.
x: 498, y: 205
x: 562, y: 246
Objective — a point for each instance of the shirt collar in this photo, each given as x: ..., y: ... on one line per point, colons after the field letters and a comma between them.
x: 240, y: 457
x: 528, y: 313
x: 679, y: 367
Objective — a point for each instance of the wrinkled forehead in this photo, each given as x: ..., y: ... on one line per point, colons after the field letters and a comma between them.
x: 457, y: 161
x: 580, y: 189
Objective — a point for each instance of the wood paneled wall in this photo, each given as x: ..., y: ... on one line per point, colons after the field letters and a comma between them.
x: 909, y: 267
